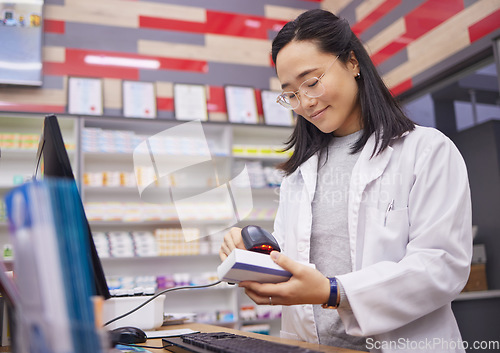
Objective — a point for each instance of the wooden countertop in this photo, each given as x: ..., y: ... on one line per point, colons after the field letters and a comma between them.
x: 212, y: 328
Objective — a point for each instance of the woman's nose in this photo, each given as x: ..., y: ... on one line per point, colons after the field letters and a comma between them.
x: 307, y: 102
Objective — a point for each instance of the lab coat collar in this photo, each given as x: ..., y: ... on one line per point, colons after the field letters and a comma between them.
x: 369, y: 168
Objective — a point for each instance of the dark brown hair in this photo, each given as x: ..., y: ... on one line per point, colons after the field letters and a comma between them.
x: 381, y: 113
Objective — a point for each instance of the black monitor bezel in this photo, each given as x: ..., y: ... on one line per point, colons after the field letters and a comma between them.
x: 56, y: 163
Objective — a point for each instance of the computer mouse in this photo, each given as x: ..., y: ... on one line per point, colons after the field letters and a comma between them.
x: 127, y: 334
x: 259, y: 240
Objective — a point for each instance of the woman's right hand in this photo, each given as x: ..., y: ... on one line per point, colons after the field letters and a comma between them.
x: 232, y: 240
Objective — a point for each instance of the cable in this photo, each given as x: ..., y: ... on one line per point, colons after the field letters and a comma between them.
x: 158, y: 294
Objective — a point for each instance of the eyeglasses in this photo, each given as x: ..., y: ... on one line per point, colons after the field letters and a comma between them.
x: 312, y: 88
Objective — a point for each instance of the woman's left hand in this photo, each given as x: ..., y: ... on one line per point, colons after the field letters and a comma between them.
x: 306, y: 286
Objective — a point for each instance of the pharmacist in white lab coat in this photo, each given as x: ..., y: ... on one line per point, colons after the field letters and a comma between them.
x: 379, y: 206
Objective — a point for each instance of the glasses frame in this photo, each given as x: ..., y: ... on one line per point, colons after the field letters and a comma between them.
x: 281, y: 98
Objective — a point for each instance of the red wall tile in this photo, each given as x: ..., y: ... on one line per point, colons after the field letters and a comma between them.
x: 218, y: 23
x: 418, y: 22
x: 217, y: 101
x: 258, y: 100
x: 386, y: 7
x: 165, y: 103
x: 44, y: 108
x: 403, y: 86
x: 54, y: 26
x: 75, y: 65
x: 487, y: 25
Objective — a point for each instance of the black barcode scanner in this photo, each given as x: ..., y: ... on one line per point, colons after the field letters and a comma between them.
x: 259, y: 240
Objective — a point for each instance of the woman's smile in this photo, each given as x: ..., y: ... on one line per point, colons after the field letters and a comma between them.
x: 318, y: 114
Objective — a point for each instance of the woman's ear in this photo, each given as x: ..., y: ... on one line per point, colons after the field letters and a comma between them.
x: 353, y: 64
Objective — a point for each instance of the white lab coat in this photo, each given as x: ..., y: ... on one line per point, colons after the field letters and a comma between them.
x: 409, y: 261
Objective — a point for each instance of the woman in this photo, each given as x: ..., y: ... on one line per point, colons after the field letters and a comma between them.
x: 380, y: 206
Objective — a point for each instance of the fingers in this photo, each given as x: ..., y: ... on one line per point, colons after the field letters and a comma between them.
x: 260, y: 292
x: 263, y: 300
x: 306, y: 286
x: 285, y: 262
x: 222, y: 254
x: 232, y: 240
x: 224, y: 251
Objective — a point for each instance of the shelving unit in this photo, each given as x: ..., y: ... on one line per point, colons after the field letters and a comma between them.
x: 221, y: 138
x: 18, y: 153
x: 261, y: 143
x: 484, y: 294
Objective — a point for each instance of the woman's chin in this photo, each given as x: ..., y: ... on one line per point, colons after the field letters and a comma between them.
x: 325, y: 128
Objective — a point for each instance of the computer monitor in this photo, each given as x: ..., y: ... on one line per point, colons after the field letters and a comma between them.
x: 53, y: 161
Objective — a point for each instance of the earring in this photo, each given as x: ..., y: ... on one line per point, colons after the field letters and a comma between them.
x: 358, y: 76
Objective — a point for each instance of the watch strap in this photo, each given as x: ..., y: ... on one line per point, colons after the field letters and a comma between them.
x: 334, y: 299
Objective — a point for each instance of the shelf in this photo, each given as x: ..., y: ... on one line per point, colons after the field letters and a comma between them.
x: 159, y: 223
x: 149, y: 224
x: 261, y: 158
x: 102, y: 156
x: 181, y: 190
x: 208, y: 289
x: 14, y: 154
x: 259, y: 321
x: 128, y: 123
x: 114, y: 223
x: 19, y: 151
x: 218, y: 323
x: 486, y: 294
x: 99, y: 156
x: 153, y: 258
x: 105, y: 156
x: 110, y: 189
x: 129, y: 154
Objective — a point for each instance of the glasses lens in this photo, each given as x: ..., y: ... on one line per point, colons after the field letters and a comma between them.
x: 288, y: 100
x: 312, y: 88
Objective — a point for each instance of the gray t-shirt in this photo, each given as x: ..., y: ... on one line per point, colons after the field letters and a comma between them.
x: 330, y: 250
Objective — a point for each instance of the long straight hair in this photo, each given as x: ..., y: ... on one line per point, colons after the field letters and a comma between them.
x: 381, y: 113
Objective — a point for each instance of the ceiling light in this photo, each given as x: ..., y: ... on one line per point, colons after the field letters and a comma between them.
x: 10, y: 65
x: 120, y: 61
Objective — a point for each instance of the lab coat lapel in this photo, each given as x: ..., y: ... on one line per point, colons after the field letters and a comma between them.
x: 365, y: 171
x: 309, y: 172
x: 306, y: 188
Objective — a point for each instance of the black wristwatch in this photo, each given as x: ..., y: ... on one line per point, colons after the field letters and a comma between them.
x: 334, y: 300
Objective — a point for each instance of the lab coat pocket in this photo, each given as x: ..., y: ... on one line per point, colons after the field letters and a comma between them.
x: 386, y: 235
